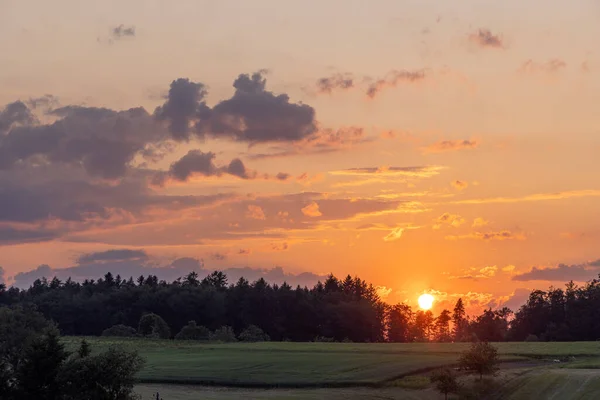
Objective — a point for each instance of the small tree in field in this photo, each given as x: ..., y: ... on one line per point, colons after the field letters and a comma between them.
x: 152, y: 325
x: 481, y: 358
x: 445, y: 382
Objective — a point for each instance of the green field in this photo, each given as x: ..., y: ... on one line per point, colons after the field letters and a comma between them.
x: 188, y: 370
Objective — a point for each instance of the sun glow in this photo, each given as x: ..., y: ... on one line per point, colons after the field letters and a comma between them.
x: 426, y: 301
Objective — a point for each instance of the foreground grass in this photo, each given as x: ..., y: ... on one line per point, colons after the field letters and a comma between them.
x: 276, y: 364
x: 183, y: 392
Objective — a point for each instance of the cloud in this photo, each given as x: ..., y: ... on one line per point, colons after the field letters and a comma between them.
x: 533, y: 197
x: 515, y: 300
x: 395, y: 234
x: 459, y: 185
x: 253, y: 114
x: 383, y: 292
x: 450, y: 145
x: 479, y: 222
x: 16, y: 113
x: 449, y: 219
x: 255, y: 212
x: 280, y: 246
x: 312, y: 210
x: 393, y: 79
x: 500, y: 235
x: 102, y: 141
x: 485, y: 38
x: 562, y: 272
x: 413, y: 172
x: 336, y: 81
x: 244, y: 251
x: 550, y: 66
x: 323, y: 141
x: 218, y: 256
x: 169, y: 272
x: 509, y: 269
x: 475, y: 274
x: 122, y: 31
x: 112, y: 255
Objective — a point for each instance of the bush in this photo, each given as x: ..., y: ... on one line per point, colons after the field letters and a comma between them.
x: 193, y: 332
x: 153, y: 326
x: 481, y: 358
x: 445, y: 382
x: 223, y: 334
x: 532, y: 338
x: 120, y: 331
x: 254, y: 334
x: 324, y: 339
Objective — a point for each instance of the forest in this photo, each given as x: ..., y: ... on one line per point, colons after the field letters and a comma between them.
x: 346, y: 309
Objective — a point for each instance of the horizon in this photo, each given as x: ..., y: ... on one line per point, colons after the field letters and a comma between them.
x: 421, y: 147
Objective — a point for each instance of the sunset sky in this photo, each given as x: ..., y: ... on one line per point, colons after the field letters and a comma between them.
x: 425, y: 146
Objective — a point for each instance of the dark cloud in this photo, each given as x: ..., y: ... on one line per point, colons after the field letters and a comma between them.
x: 336, y: 81
x: 16, y: 113
x: 185, y: 105
x: 46, y: 102
x: 112, y: 255
x: 169, y: 272
x: 485, y: 38
x: 393, y: 79
x: 194, y: 161
x: 218, y: 256
x: 121, y: 31
x: 15, y: 235
x: 451, y: 145
x: 562, y: 272
x: 282, y: 176
x: 253, y: 114
x: 101, y: 140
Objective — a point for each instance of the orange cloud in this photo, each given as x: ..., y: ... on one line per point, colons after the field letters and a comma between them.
x: 534, y: 197
x: 479, y: 222
x: 312, y: 210
x: 450, y: 145
x: 255, y: 212
x: 449, y: 219
x: 395, y: 234
x: 459, y: 185
x: 501, y: 235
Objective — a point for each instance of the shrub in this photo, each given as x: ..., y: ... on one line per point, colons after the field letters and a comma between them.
x: 532, y: 338
x: 223, y: 334
x: 445, y: 382
x: 120, y: 331
x: 324, y: 339
x: 152, y: 325
x: 254, y: 334
x: 193, y: 332
x: 481, y: 358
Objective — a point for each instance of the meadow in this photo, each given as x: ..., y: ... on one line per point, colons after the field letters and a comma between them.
x: 188, y: 370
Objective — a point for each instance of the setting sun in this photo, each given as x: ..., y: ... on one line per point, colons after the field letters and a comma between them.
x: 426, y: 301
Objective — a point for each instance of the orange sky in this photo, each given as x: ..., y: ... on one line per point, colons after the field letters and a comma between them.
x: 450, y: 149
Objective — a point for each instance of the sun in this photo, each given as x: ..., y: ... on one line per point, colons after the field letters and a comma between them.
x: 426, y: 301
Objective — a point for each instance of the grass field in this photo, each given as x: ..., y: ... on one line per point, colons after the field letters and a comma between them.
x: 343, y: 370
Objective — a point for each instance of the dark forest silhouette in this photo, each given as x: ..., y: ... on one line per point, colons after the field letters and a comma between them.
x: 334, y: 310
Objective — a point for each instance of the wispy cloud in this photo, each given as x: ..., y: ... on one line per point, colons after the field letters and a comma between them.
x: 500, y: 235
x: 550, y: 66
x: 479, y: 222
x: 393, y: 79
x: 448, y: 219
x: 336, y: 81
x: 414, y: 172
x: 450, y: 145
x: 533, y: 197
x: 459, y: 185
x: 312, y: 210
x: 485, y: 38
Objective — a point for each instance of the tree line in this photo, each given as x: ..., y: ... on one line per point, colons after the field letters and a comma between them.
x: 346, y: 309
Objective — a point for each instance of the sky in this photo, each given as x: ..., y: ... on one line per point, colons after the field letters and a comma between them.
x: 420, y: 145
